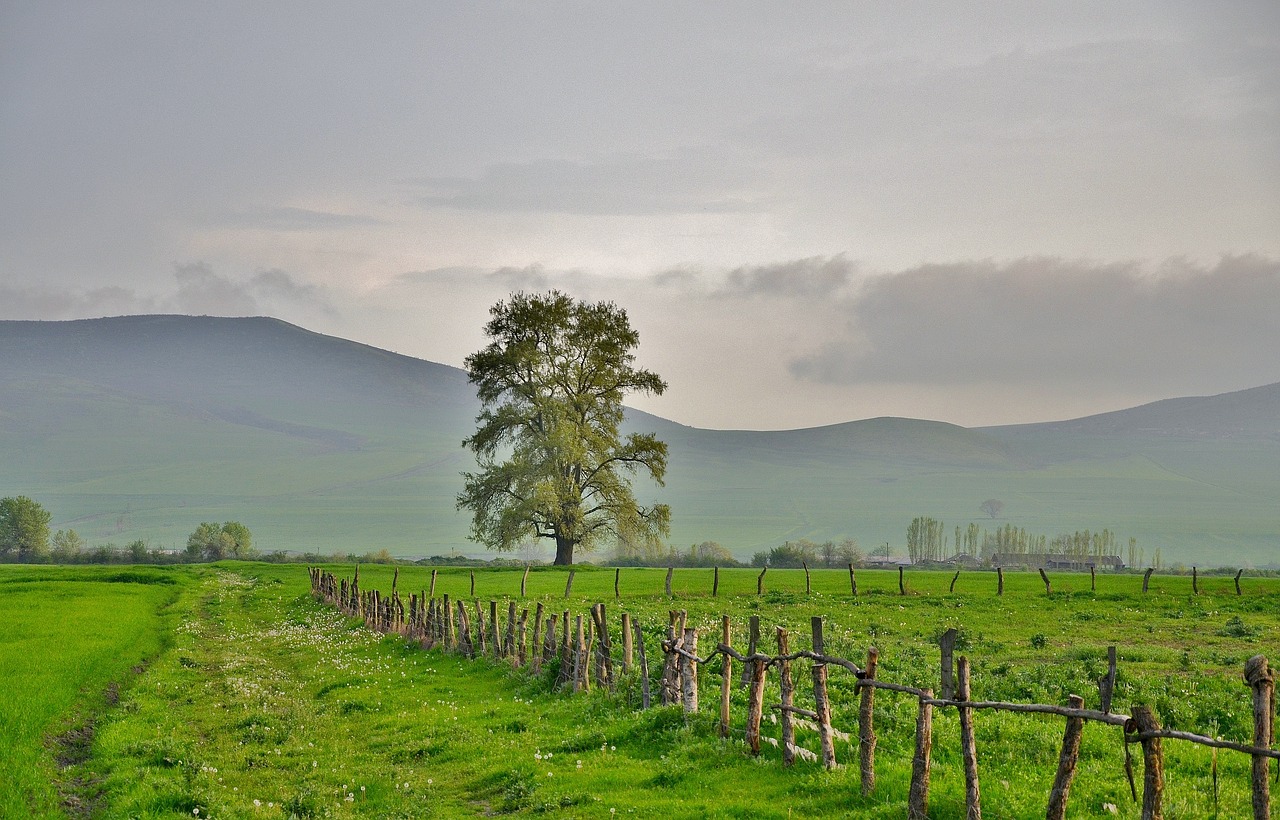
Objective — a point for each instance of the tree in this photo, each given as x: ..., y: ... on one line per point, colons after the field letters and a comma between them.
x: 552, y: 463
x: 66, y: 546
x: 213, y: 542
x: 992, y: 507
x: 24, y: 529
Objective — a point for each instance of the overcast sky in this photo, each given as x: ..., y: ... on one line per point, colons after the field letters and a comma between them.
x: 813, y: 212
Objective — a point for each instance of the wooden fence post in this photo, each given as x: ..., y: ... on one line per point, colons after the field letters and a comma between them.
x: 902, y: 586
x: 1107, y: 683
x: 918, y: 796
x: 509, y: 637
x: 1258, y: 675
x: 604, y: 650
x: 448, y: 624
x: 760, y: 581
x: 1066, y: 763
x: 644, y: 667
x: 1144, y: 720
x: 968, y: 746
x: 954, y: 578
x: 522, y: 652
x: 715, y: 583
x: 581, y: 682
x: 627, y: 643
x: 1093, y: 579
x: 948, y: 644
x: 566, y: 658
x: 866, y: 727
x: 1195, y: 582
x: 1239, y: 572
x: 1044, y: 577
x: 524, y: 581
x: 726, y: 675
x: 689, y: 671
x: 473, y: 583
x: 999, y: 580
x: 481, y: 639
x: 853, y: 582
x: 755, y: 702
x: 822, y: 704
x: 536, y: 644
x: 1146, y: 578
x: 568, y: 585
x: 617, y: 582
x: 788, y: 700
x: 670, y: 571
x: 495, y: 630
x: 432, y: 593
x: 753, y: 641
x: 807, y: 588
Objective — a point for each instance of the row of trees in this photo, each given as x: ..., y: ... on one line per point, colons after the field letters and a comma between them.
x: 928, y: 540
x: 25, y: 538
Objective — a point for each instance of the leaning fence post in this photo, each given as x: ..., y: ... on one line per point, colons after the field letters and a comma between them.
x: 760, y: 581
x: 968, y: 746
x: 430, y: 594
x: 568, y: 585
x: 1045, y: 578
x: 753, y: 641
x: 999, y: 580
x: 918, y: 797
x: 822, y: 704
x: 670, y: 571
x: 1066, y: 763
x: 715, y: 583
x: 1258, y: 675
x: 524, y: 581
x: 1107, y: 683
x: 1239, y: 572
x: 1093, y: 579
x: 1144, y: 720
x: 617, y: 580
x: 535, y: 645
x: 807, y: 588
x: 1146, y: 578
x: 866, y: 729
x: 579, y: 651
x: 788, y: 699
x: 954, y: 578
x: 902, y: 586
x: 726, y: 674
x: 627, y: 643
x: 853, y: 582
x: 1195, y: 582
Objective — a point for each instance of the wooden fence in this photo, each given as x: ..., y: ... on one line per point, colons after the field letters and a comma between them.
x: 586, y: 654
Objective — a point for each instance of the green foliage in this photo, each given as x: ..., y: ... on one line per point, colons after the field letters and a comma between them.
x: 24, y: 529
x: 552, y: 463
x: 67, y: 545
x: 214, y: 543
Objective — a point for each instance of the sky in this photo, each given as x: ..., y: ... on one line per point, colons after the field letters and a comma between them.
x: 980, y: 213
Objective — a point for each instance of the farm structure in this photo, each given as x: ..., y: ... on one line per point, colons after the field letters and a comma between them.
x: 583, y: 651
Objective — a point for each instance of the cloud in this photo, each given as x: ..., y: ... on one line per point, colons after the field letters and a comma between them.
x: 687, y: 181
x: 817, y: 276
x: 46, y: 304
x: 202, y: 291
x: 298, y: 219
x: 1046, y: 320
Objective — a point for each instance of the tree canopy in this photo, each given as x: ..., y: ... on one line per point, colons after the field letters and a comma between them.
x: 552, y: 463
x: 24, y: 529
x: 213, y: 542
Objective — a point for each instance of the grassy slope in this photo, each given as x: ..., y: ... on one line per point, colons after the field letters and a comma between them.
x: 266, y: 696
x: 142, y: 427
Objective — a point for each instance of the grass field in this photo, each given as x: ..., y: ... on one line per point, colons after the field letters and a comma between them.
x: 261, y: 702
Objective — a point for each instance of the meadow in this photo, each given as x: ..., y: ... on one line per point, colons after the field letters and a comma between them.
x: 258, y: 701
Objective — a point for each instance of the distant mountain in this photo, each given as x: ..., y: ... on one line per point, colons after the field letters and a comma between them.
x: 144, y: 426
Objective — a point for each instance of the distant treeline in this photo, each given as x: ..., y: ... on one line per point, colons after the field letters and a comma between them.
x: 929, y: 540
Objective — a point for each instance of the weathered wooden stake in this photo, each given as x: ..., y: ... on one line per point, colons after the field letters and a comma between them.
x: 536, y: 643
x: 495, y: 630
x: 689, y: 671
x: 566, y: 659
x: 473, y: 583
x: 580, y: 681
x: 918, y: 796
x: 481, y: 640
x: 568, y: 585
x: 1044, y: 577
x: 807, y: 588
x: 787, y: 687
x: 755, y: 703
x: 604, y: 652
x: 726, y: 675
x: 617, y: 580
x: 715, y: 582
x: 902, y: 586
x: 1144, y: 720
x: 670, y: 572
x: 968, y: 746
x: 1239, y: 572
x: 948, y: 645
x: 509, y: 638
x: 760, y: 581
x: 753, y: 641
x: 866, y: 726
x: 432, y: 593
x: 1146, y: 578
x: 999, y: 580
x: 954, y: 578
x: 1259, y: 677
x: 627, y: 643
x: 853, y: 582
x: 1107, y: 683
x: 448, y: 624
x: 524, y: 581
x: 1067, y: 760
x: 1093, y: 579
x: 1195, y: 582
x: 822, y: 704
x: 644, y: 667
x: 522, y: 653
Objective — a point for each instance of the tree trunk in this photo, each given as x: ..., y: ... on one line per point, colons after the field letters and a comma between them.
x: 564, y: 552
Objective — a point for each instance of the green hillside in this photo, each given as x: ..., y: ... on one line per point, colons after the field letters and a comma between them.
x: 144, y: 426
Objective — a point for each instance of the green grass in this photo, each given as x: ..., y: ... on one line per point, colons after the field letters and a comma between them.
x: 67, y: 636
x: 265, y: 695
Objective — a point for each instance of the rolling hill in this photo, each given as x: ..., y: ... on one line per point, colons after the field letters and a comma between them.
x: 144, y: 426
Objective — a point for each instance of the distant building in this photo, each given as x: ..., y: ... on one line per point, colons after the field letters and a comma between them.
x: 885, y: 562
x: 1044, y: 560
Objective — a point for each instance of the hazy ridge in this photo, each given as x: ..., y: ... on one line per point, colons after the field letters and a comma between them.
x: 143, y: 426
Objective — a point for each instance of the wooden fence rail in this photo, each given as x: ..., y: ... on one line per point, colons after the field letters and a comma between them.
x: 586, y: 660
